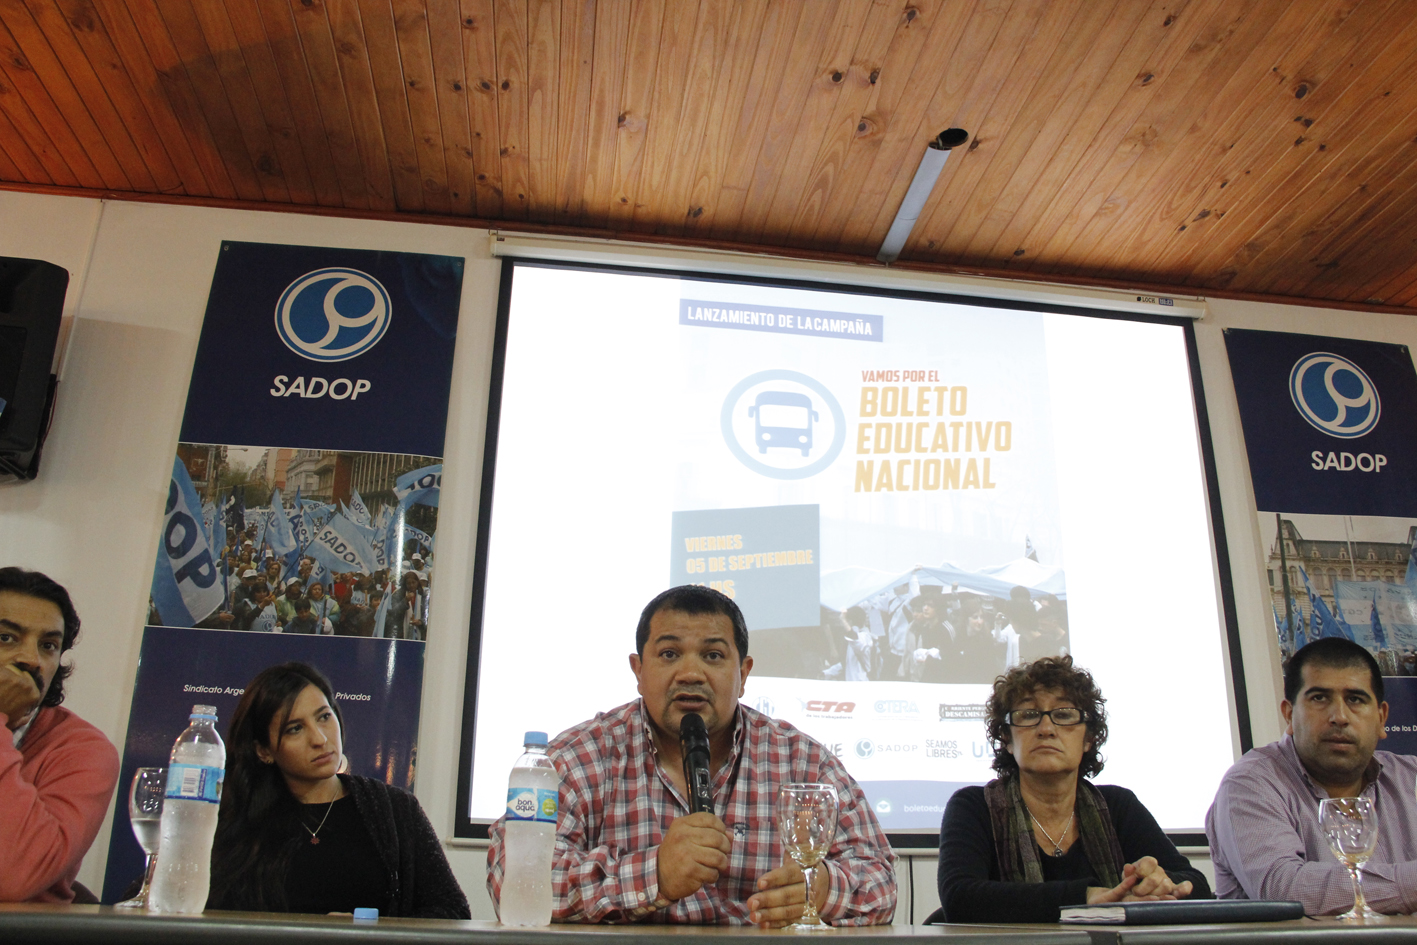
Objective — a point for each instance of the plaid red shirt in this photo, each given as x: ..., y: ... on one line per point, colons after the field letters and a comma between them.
x: 617, y: 803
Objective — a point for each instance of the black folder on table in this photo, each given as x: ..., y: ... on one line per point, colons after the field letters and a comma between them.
x: 1183, y: 912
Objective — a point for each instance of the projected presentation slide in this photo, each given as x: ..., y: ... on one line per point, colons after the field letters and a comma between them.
x: 905, y: 496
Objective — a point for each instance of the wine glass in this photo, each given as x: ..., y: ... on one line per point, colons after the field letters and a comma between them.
x: 1351, y: 827
x: 145, y: 814
x: 806, y: 819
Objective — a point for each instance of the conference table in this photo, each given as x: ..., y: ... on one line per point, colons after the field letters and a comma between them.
x: 30, y: 924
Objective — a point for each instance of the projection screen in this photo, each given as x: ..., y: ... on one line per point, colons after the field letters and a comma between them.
x: 905, y: 493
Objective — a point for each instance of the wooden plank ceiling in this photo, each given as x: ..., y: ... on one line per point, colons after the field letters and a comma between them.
x: 1243, y: 147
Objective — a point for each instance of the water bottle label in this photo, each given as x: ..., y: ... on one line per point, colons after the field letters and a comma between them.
x: 532, y: 804
x: 194, y: 783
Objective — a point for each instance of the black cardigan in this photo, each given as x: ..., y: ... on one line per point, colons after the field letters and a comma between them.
x: 420, y: 882
x: 969, y: 878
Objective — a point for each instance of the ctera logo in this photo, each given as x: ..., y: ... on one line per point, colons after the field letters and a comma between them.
x: 332, y: 314
x: 1334, y: 395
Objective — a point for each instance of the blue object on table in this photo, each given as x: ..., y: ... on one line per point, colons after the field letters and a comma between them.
x: 366, y: 914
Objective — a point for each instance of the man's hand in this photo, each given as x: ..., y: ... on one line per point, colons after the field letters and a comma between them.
x: 694, y: 851
x: 19, y: 694
x: 781, y: 896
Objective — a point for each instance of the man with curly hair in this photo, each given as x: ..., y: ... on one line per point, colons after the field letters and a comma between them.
x: 1041, y: 836
x: 57, y: 772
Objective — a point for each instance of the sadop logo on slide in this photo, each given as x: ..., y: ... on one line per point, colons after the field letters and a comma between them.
x: 1334, y: 395
x: 333, y: 314
x: 783, y: 424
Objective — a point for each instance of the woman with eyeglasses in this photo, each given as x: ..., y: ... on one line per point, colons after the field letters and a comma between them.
x: 1041, y: 836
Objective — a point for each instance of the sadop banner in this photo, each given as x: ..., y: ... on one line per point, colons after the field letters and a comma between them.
x: 302, y: 508
x: 1331, y: 433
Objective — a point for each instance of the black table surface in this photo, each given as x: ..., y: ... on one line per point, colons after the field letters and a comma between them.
x: 30, y: 924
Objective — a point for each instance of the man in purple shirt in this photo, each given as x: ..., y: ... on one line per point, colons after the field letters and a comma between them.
x: 1263, y: 828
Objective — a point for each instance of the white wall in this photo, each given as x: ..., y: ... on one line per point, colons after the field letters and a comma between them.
x: 139, y: 280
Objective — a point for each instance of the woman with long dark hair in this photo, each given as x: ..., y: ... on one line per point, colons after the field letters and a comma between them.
x: 295, y: 835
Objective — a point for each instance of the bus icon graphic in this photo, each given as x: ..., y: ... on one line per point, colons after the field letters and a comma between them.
x: 783, y: 419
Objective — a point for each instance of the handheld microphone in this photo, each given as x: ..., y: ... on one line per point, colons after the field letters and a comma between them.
x: 694, y: 746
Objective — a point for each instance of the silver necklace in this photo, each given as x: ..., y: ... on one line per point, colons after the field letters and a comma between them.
x: 315, y: 834
x: 1057, y: 844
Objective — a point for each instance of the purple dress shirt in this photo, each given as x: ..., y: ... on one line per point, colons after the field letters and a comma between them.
x: 1266, y: 843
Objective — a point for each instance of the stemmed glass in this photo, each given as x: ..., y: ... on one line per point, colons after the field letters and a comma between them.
x: 806, y: 819
x: 1351, y: 827
x: 145, y: 814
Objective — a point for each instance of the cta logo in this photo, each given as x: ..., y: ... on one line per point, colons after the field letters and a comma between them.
x: 1334, y: 395
x: 333, y: 314
x: 783, y: 424
x: 821, y: 707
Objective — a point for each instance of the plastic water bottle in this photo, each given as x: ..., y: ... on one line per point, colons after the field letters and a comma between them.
x: 533, y: 797
x: 189, y: 809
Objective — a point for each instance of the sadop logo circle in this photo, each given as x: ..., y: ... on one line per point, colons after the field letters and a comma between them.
x: 333, y: 314
x: 1334, y: 395
x: 783, y: 424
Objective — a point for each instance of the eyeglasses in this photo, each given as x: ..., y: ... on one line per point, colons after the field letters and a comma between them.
x: 1031, y: 718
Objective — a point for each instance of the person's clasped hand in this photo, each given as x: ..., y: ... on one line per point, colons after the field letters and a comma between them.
x: 693, y: 853
x: 781, y: 897
x: 1142, y: 881
x: 1152, y: 881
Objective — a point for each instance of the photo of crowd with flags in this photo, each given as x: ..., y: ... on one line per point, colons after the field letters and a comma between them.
x: 933, y: 624
x: 274, y: 540
x: 1359, y: 582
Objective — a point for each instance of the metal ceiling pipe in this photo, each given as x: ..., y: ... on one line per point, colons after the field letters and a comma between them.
x: 936, y: 153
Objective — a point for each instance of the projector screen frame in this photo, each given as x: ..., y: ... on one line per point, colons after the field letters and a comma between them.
x: 466, y: 828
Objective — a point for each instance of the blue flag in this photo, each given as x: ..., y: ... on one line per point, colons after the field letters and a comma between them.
x: 1324, y: 624
x: 382, y: 613
x: 358, y: 511
x: 300, y: 528
x: 1411, y: 579
x: 279, y: 534
x: 1377, y: 623
x: 420, y: 486
x: 185, y: 586
x: 340, y: 546
x: 418, y: 535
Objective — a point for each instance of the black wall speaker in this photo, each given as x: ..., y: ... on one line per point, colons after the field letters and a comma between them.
x: 31, y: 304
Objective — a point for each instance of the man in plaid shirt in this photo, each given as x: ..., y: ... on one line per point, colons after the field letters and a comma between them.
x: 628, y: 850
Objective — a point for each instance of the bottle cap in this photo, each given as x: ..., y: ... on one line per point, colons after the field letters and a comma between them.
x: 535, y: 738
x: 204, y: 712
x: 366, y: 913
